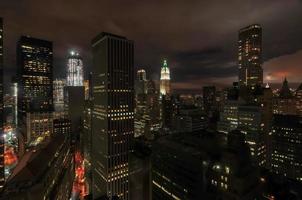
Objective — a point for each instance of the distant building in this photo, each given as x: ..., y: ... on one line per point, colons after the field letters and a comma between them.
x: 62, y: 126
x: 112, y: 114
x: 285, y: 103
x: 45, y: 173
x: 141, y: 82
x: 189, y: 119
x: 167, y: 111
x: 250, y: 56
x: 298, y: 95
x: 286, y: 146
x: 165, y: 85
x: 58, y: 97
x: 209, y: 99
x: 228, y: 117
x: 75, y: 75
x: 35, y: 92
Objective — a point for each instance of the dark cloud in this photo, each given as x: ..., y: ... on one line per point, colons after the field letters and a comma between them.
x: 198, y: 38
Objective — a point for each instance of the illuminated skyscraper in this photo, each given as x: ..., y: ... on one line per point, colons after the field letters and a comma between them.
x: 250, y: 56
x: 165, y: 87
x: 75, y: 70
x: 112, y: 114
x: 35, y: 92
x: 1, y: 109
x: 58, y: 97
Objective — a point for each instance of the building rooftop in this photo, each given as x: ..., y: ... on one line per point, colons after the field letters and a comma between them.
x: 35, y: 162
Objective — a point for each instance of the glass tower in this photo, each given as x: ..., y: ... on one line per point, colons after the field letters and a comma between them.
x: 250, y: 56
x: 74, y: 70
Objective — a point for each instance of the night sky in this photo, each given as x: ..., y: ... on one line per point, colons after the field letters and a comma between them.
x: 198, y: 37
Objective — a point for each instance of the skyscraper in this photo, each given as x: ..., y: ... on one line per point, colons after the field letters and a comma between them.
x: 58, y: 97
x: 141, y: 83
x: 165, y: 87
x: 113, y: 116
x: 74, y: 70
x: 286, y: 146
x: 1, y: 109
x: 35, y: 93
x: 250, y: 56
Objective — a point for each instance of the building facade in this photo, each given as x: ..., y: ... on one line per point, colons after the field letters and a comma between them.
x: 35, y: 92
x: 62, y: 126
x: 58, y: 97
x: 250, y: 123
x: 286, y: 146
x: 112, y: 114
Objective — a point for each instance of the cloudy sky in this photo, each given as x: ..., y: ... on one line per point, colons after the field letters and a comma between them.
x: 198, y: 37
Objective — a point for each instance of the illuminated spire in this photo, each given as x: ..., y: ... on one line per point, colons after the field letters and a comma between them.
x: 165, y: 79
x: 165, y: 72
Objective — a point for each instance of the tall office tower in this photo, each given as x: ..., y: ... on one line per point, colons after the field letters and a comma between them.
x: 286, y: 146
x: 209, y: 99
x: 75, y: 75
x: 58, y: 97
x: 35, y: 92
x: 250, y: 56
x: 285, y: 103
x: 165, y: 85
x: 113, y: 116
x: 1, y: 109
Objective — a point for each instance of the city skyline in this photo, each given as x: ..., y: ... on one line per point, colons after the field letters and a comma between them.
x: 149, y: 100
x: 204, y: 46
